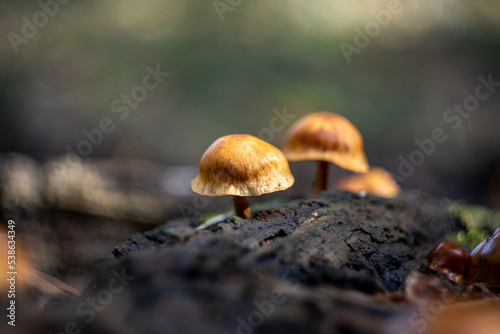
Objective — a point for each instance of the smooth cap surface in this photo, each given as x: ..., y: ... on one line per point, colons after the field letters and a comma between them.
x: 242, y: 165
x: 325, y: 136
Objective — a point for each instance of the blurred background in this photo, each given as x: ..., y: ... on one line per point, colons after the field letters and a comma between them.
x: 230, y: 66
x: 233, y: 67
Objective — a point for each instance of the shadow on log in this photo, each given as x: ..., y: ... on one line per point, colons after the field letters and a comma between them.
x: 316, y: 265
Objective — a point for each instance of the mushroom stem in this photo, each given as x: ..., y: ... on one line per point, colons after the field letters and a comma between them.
x: 321, y: 177
x: 241, y: 207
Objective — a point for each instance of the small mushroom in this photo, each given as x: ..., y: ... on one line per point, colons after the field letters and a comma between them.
x: 484, y: 262
x: 377, y: 181
x: 449, y: 259
x: 326, y: 138
x: 241, y: 166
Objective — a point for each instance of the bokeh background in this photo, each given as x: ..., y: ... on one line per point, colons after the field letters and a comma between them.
x: 229, y: 74
x: 226, y: 76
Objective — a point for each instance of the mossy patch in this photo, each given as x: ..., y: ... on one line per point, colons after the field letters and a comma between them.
x: 479, y: 221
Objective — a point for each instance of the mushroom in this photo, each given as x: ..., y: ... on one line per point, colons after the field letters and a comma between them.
x: 449, y: 259
x: 327, y: 138
x: 241, y: 166
x: 484, y: 262
x: 377, y: 181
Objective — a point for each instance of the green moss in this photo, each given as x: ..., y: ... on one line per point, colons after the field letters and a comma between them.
x: 480, y: 222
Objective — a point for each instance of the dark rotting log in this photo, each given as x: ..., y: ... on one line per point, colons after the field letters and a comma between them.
x: 316, y: 265
x: 312, y: 266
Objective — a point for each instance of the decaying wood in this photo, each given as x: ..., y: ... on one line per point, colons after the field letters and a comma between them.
x: 328, y: 258
x: 372, y: 239
x: 330, y: 264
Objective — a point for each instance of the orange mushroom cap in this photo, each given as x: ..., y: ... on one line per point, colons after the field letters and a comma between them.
x: 377, y: 181
x: 325, y: 136
x: 242, y: 165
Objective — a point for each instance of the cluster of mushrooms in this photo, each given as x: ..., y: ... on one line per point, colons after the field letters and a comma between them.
x: 243, y: 165
x: 481, y: 266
